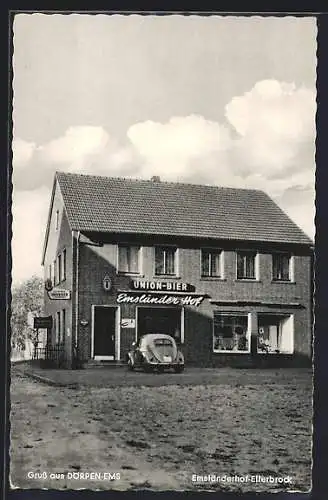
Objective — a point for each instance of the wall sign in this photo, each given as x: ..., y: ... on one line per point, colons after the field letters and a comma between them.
x: 59, y: 294
x: 165, y: 286
x: 128, y: 323
x: 107, y: 283
x: 176, y: 300
x: 42, y: 322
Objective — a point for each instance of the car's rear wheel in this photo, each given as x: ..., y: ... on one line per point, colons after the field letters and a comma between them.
x: 179, y: 369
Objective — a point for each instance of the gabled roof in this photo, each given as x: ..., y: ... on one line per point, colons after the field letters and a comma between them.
x: 119, y: 205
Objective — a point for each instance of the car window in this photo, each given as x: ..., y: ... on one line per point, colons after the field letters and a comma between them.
x: 158, y: 342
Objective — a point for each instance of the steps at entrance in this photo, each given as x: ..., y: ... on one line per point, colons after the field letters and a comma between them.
x: 104, y: 364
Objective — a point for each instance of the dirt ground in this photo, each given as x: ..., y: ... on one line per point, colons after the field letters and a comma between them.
x: 158, y: 437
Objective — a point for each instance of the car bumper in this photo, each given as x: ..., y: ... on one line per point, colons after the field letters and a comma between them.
x: 172, y: 364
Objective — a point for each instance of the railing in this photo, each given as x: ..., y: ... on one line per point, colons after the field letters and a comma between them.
x: 50, y: 356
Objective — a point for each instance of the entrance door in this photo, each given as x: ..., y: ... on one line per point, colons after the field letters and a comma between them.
x: 104, y: 332
x: 269, y: 333
x: 159, y: 320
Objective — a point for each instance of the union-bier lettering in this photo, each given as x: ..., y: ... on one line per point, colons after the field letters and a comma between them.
x: 166, y: 286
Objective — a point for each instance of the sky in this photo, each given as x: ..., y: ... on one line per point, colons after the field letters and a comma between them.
x: 228, y: 101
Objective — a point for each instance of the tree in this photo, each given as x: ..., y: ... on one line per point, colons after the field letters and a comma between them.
x: 27, y: 298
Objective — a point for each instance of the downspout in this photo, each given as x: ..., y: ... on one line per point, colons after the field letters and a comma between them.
x: 76, y: 294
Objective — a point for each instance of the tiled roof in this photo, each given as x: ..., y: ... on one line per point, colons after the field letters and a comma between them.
x: 108, y: 204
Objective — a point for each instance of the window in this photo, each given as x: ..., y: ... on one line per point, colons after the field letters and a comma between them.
x: 63, y: 326
x: 275, y: 334
x: 230, y: 332
x: 211, y: 263
x: 281, y: 267
x: 128, y: 259
x: 58, y: 329
x: 57, y: 220
x: 59, y: 268
x: 55, y: 272
x: 246, y: 265
x: 165, y: 260
x: 64, y: 265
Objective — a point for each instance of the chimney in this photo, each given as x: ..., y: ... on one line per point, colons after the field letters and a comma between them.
x: 155, y: 178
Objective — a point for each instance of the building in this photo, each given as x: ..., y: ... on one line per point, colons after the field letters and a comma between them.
x: 223, y: 270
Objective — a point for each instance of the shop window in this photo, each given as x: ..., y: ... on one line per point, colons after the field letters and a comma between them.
x: 246, y: 265
x: 281, y: 267
x: 128, y: 259
x: 276, y: 334
x: 211, y: 263
x: 165, y: 261
x: 231, y: 333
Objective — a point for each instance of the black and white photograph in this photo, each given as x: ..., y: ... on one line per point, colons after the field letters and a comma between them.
x: 163, y: 226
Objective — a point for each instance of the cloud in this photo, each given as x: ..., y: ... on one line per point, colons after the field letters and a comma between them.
x: 299, y: 203
x: 267, y: 142
x: 22, y: 152
x: 76, y: 145
x: 275, y: 122
x: 173, y: 146
x: 80, y: 149
x: 29, y: 211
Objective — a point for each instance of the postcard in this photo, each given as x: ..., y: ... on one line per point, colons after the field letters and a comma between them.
x: 162, y: 252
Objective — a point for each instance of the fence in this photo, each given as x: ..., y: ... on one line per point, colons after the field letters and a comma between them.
x: 50, y: 356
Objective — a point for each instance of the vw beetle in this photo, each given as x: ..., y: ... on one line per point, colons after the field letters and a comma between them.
x: 155, y: 351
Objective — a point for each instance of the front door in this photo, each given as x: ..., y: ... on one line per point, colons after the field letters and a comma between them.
x: 104, y: 332
x: 160, y: 320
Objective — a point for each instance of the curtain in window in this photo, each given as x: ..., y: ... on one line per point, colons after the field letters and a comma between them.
x: 210, y: 263
x: 169, y: 267
x: 205, y: 263
x: 215, y: 264
x: 245, y: 265
x: 281, y: 267
x: 164, y: 260
x: 128, y: 260
x: 159, y: 261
